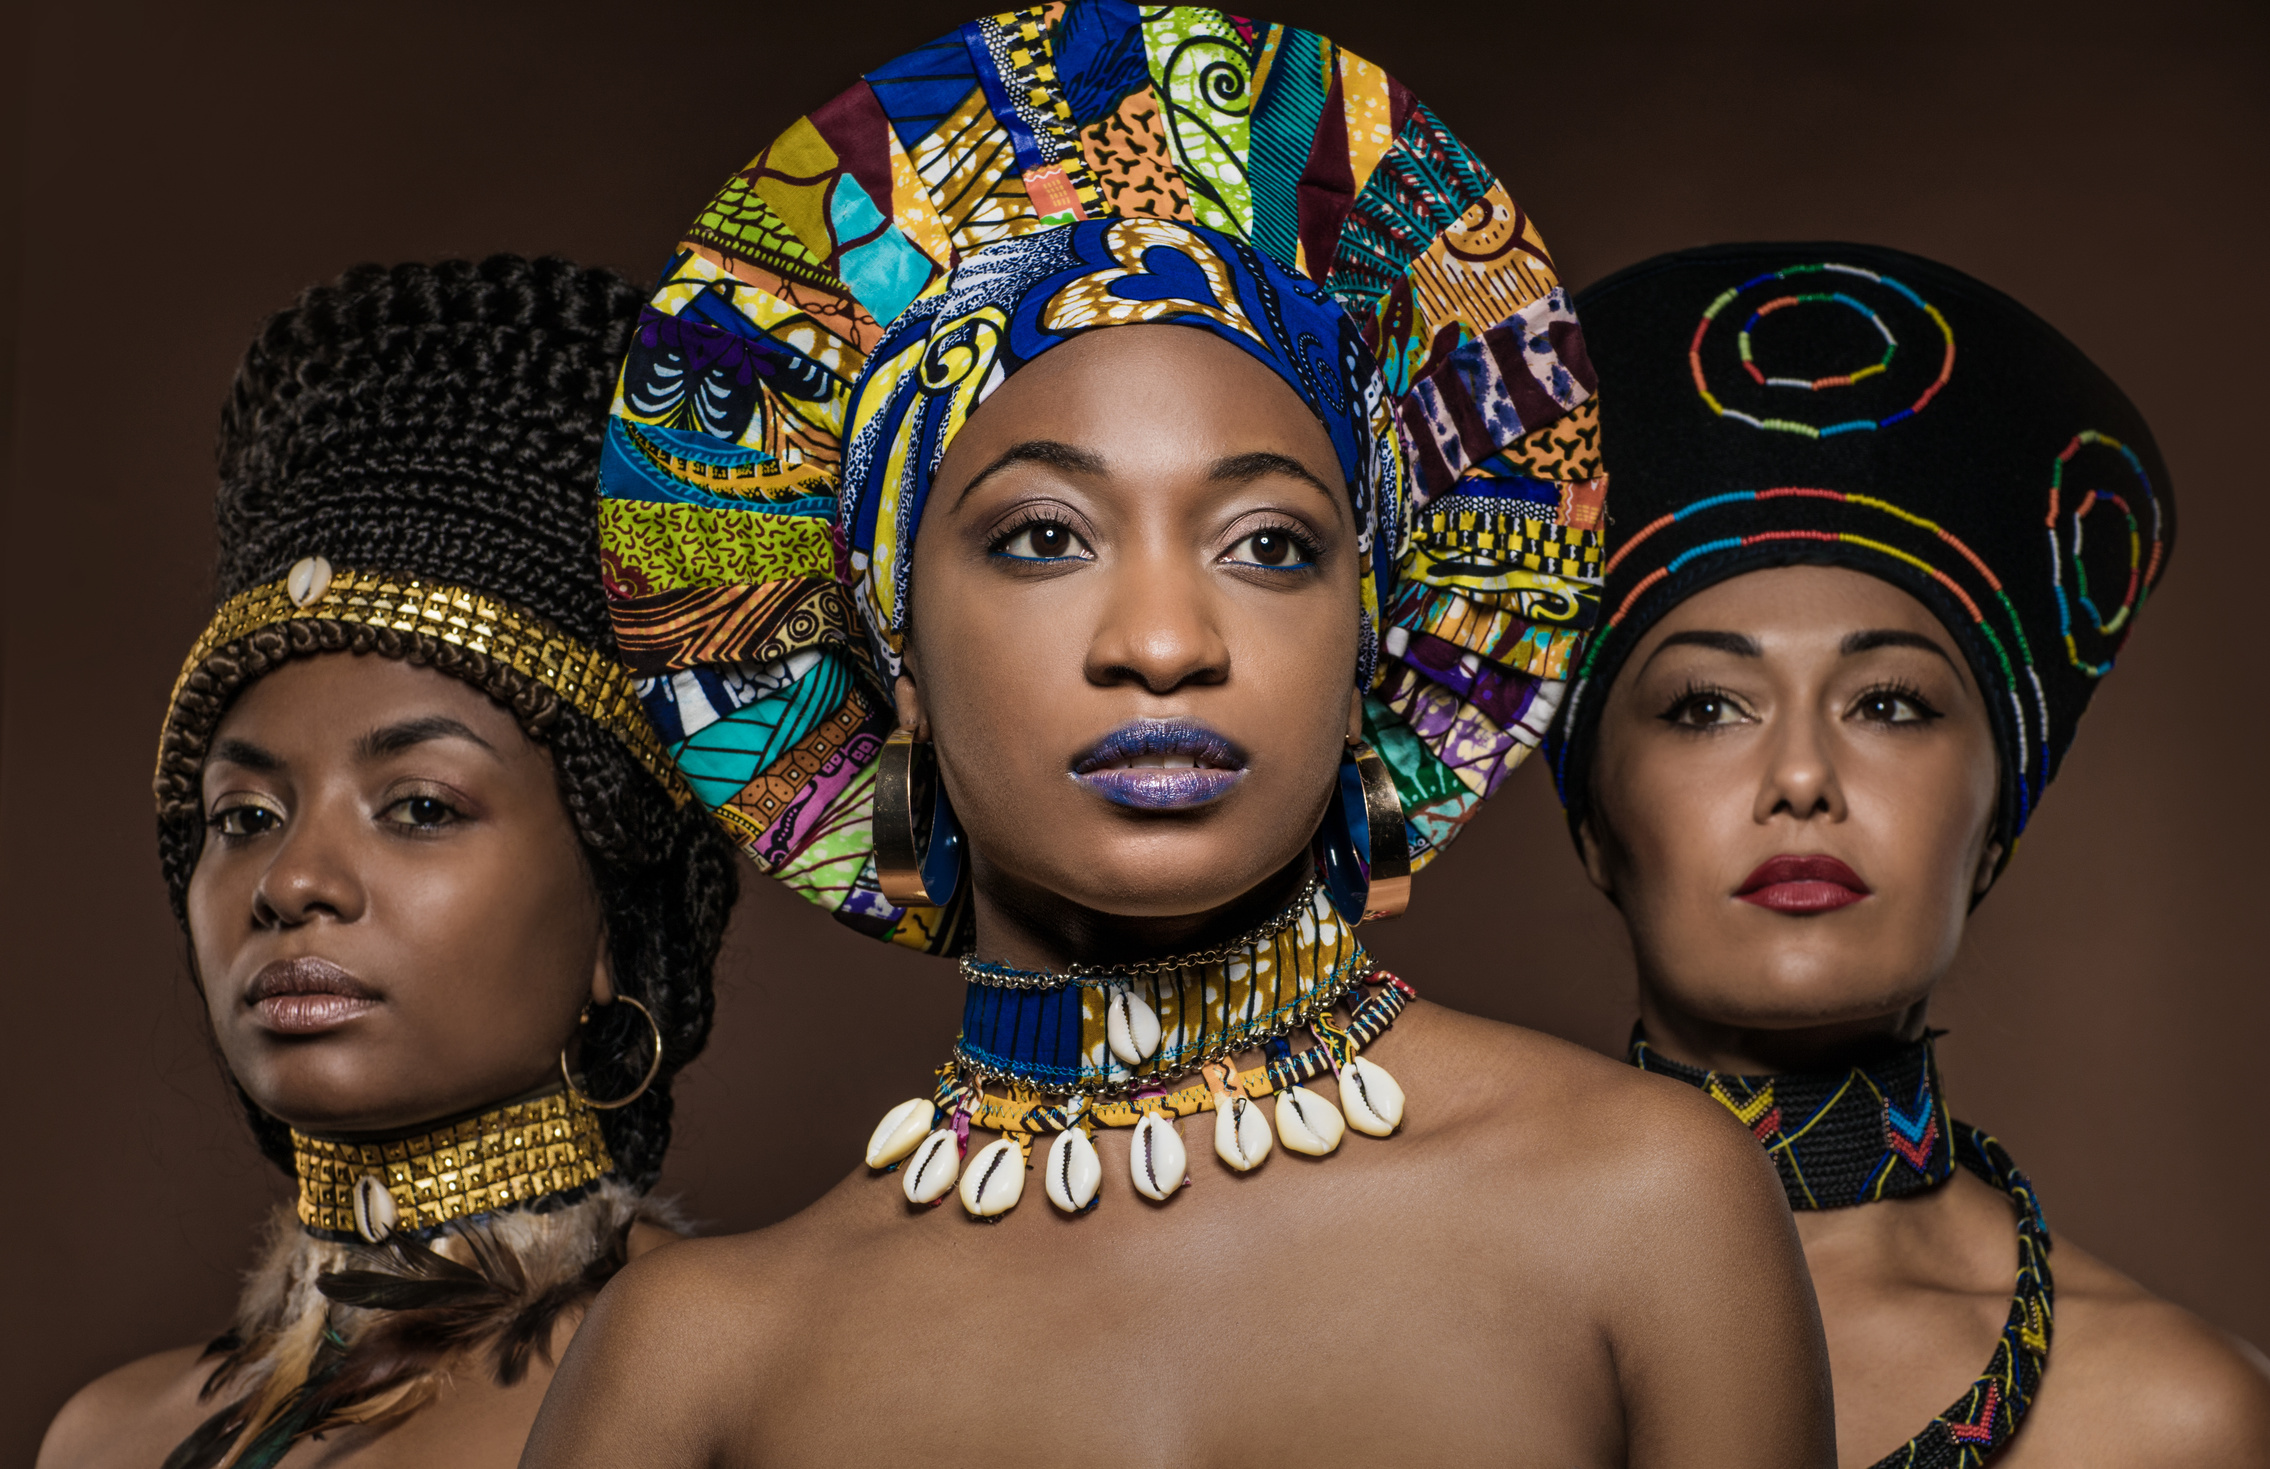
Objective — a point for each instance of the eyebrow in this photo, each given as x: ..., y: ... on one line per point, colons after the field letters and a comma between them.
x: 1741, y: 645
x: 1241, y: 468
x: 1892, y: 637
x: 1051, y: 452
x: 248, y: 755
x: 393, y: 739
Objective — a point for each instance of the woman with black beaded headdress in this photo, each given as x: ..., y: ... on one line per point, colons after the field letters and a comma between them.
x: 450, y: 909
x: 1105, y: 499
x: 1881, y: 532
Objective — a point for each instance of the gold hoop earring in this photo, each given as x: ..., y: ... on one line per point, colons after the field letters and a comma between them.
x: 918, y: 844
x: 653, y: 1067
x: 1363, y: 848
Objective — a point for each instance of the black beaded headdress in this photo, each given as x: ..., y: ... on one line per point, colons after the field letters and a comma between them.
x: 1777, y: 404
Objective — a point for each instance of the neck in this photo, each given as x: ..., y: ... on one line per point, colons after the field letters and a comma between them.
x: 1029, y: 927
x: 1766, y: 1049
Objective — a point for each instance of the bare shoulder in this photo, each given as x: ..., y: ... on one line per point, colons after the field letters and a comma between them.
x: 1597, y: 1124
x: 2137, y: 1380
x: 672, y: 1345
x: 120, y: 1416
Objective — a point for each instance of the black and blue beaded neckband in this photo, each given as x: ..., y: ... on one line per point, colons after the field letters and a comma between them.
x: 1881, y: 1131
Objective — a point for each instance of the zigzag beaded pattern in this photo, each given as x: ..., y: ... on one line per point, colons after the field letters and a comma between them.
x: 589, y: 680
x: 1882, y: 1132
x: 504, y: 1158
x: 1837, y: 1138
x: 1977, y: 1425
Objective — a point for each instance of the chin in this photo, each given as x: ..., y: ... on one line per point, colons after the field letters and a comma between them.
x: 1801, y: 995
x: 1163, y: 874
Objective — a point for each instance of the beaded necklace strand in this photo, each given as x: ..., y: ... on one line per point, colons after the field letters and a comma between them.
x: 1881, y: 1131
x: 1141, y: 1046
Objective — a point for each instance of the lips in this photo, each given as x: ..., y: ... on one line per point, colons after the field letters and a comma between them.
x: 1801, y: 885
x: 308, y: 995
x: 1161, y: 765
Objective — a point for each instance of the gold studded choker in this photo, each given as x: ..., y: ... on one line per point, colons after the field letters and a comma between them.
x: 506, y: 1157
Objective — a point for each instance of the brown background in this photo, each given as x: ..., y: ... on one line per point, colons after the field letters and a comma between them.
x: 181, y: 176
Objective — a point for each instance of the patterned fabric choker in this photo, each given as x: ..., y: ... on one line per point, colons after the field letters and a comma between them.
x: 1838, y: 1138
x: 1143, y: 1045
x: 545, y: 1151
x: 1881, y: 1131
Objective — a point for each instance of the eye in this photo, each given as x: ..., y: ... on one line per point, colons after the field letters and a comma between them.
x: 1705, y: 709
x: 421, y: 813
x: 1277, y: 548
x: 249, y: 819
x: 1042, y: 540
x: 1894, y: 705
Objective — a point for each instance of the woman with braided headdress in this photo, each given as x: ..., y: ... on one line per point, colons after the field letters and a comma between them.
x: 1882, y: 531
x: 450, y: 909
x: 1105, y: 498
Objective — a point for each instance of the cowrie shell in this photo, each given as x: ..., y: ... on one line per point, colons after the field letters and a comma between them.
x: 1241, y: 1134
x: 1308, y: 1122
x: 1370, y: 1097
x: 375, y: 1214
x: 994, y: 1179
x: 1132, y: 1026
x: 900, y: 1132
x: 932, y: 1168
x: 1074, y: 1171
x: 308, y: 580
x: 1156, y: 1158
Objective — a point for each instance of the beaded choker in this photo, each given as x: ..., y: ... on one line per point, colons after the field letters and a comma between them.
x: 546, y: 1150
x: 1105, y: 1047
x: 1838, y: 1137
x: 1881, y: 1131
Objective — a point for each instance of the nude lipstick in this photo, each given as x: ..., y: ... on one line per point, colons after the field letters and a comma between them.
x: 1802, y: 885
x: 1161, y: 765
x: 307, y: 996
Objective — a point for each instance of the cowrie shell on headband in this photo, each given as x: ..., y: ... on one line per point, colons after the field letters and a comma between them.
x: 309, y: 579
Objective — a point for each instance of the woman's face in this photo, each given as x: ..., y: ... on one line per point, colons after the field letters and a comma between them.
x: 1134, y: 628
x: 392, y: 918
x: 1793, y: 789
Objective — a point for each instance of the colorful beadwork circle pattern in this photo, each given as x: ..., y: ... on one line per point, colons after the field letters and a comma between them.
x: 2079, y: 605
x: 1835, y: 293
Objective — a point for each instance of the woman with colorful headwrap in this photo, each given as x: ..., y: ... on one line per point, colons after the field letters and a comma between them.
x: 1105, y: 498
x: 451, y: 912
x: 1882, y: 531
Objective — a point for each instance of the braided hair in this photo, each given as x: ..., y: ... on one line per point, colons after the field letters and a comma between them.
x: 445, y: 421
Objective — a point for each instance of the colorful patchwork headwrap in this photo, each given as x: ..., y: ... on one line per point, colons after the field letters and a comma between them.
x: 1849, y: 405
x: 850, y: 296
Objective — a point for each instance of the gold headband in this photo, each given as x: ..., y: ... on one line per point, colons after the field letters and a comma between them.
x: 586, y: 678
x: 514, y: 1154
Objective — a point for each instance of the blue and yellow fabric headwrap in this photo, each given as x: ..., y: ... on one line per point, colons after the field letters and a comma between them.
x: 849, y: 298
x: 1004, y: 306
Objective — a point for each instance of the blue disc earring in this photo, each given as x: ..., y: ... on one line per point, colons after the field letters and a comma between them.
x: 918, y: 844
x: 1363, y: 848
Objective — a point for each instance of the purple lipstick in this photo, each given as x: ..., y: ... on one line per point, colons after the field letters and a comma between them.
x: 1161, y: 765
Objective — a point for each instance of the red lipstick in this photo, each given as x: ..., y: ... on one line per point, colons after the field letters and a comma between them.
x: 1802, y: 885
x: 307, y: 996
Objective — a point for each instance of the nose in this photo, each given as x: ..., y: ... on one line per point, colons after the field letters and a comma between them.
x: 310, y: 873
x: 1159, y: 627
x: 1800, y: 779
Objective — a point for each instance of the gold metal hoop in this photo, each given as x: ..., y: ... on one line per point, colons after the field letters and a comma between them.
x: 1390, y: 840
x: 653, y: 1067
x: 912, y: 868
